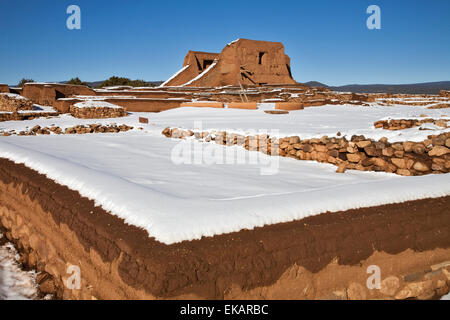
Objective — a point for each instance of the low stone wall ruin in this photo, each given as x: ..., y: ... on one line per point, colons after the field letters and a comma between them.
x: 403, y: 158
x: 79, y: 129
x: 11, y: 102
x: 401, y: 124
x: 15, y: 116
x: 97, y: 112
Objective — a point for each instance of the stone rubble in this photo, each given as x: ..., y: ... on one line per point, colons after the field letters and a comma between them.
x: 403, y: 158
x: 401, y: 124
x: 97, y: 112
x: 79, y: 129
x: 12, y: 103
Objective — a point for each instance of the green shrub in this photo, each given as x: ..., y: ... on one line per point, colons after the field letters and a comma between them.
x: 23, y: 81
x: 120, y: 81
x: 77, y: 81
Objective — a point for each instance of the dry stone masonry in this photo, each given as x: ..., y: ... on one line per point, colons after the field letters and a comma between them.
x: 96, y: 110
x: 403, y: 158
x: 79, y: 129
x: 11, y: 102
x: 402, y: 124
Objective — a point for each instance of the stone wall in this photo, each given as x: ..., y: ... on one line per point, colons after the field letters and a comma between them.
x: 79, y: 129
x: 444, y: 93
x: 403, y: 158
x: 11, y: 102
x: 401, y: 124
x: 97, y: 112
x: 16, y: 116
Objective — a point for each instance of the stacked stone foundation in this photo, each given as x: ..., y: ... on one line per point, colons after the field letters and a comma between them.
x: 14, y: 103
x: 97, y: 112
x: 403, y: 158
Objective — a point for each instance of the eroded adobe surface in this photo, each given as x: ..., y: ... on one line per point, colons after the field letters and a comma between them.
x: 240, y: 62
x: 47, y: 93
x: 4, y: 88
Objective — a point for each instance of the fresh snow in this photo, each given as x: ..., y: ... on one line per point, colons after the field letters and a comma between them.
x: 13, y: 96
x: 131, y: 174
x: 311, y: 122
x: 174, y: 76
x: 233, y: 41
x: 96, y: 104
x: 15, y: 284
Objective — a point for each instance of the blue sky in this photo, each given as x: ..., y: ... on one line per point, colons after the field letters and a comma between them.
x: 327, y: 41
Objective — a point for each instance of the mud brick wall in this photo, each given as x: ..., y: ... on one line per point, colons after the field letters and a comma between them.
x: 12, y: 103
x: 403, y: 158
x: 63, y: 105
x: 97, y: 112
x: 47, y: 94
x: 147, y: 105
x: 40, y: 94
x: 54, y: 227
x: 4, y: 88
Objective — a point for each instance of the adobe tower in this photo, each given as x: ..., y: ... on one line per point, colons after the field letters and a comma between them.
x: 242, y: 61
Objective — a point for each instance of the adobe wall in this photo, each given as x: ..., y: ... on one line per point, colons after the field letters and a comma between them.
x: 54, y: 228
x: 244, y: 61
x: 4, y: 88
x: 47, y: 94
x: 147, y: 105
x: 145, y: 94
x: 240, y: 62
x: 195, y: 63
x: 63, y: 106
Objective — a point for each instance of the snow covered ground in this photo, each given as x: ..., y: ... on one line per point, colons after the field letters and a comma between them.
x: 308, y: 123
x: 138, y: 177
x: 15, y: 284
x: 182, y: 190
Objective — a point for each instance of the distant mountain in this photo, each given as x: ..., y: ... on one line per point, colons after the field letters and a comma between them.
x: 420, y: 88
x: 316, y: 84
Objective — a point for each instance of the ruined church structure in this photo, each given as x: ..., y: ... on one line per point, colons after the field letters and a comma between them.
x: 241, y: 62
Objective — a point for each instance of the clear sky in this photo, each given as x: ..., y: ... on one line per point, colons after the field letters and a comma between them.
x: 327, y: 41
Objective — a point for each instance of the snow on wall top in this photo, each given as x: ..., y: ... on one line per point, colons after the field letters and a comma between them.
x: 201, y: 75
x: 96, y: 104
x: 175, y: 202
x: 13, y: 96
x: 174, y: 75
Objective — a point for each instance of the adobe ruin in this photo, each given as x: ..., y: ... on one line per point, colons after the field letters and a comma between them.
x: 47, y: 93
x: 4, y: 88
x: 243, y: 61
